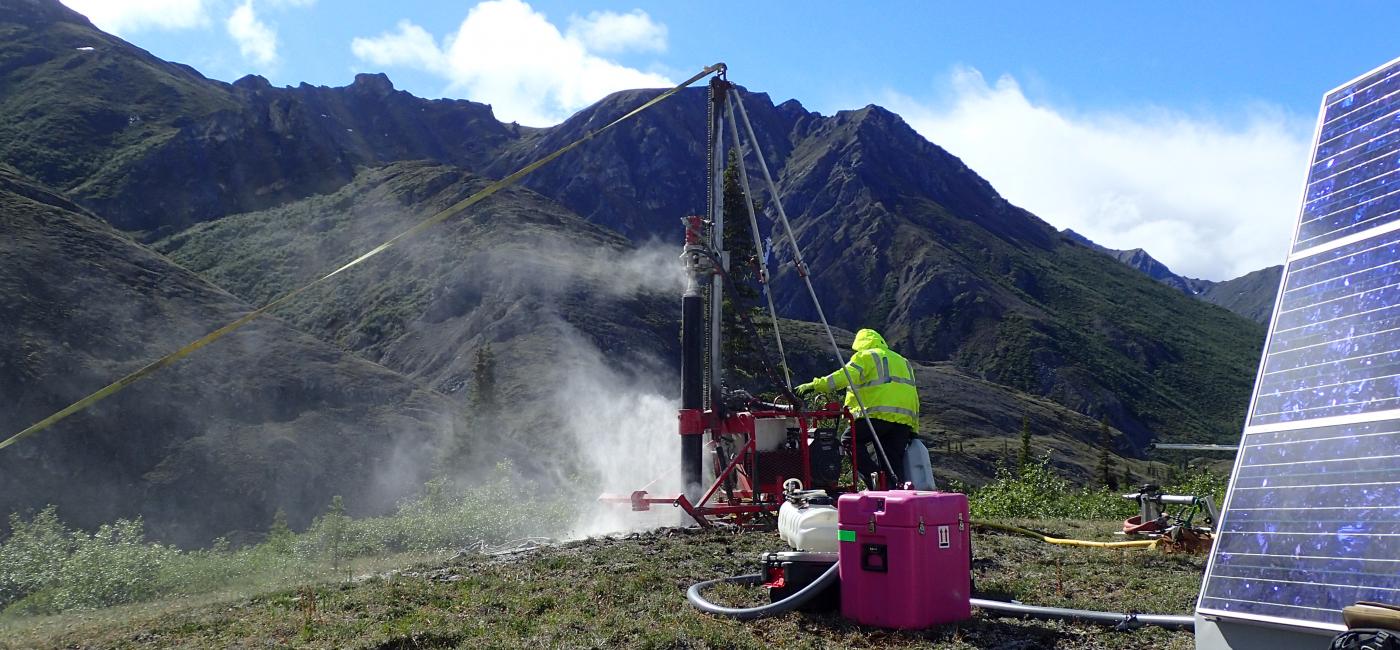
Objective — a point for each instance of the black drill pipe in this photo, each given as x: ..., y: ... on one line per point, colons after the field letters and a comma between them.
x: 692, y: 384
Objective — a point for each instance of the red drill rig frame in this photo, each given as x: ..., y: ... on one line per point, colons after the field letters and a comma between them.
x: 750, y: 485
x: 755, y: 447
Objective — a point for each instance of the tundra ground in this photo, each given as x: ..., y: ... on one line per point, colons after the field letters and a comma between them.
x: 630, y: 592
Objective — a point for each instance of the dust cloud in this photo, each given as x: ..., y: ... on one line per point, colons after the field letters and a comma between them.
x: 613, y: 412
x: 618, y: 409
x: 624, y: 426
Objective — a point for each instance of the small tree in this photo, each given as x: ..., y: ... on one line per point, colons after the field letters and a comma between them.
x: 483, y: 397
x: 1105, y: 459
x: 333, y: 530
x: 1025, y: 458
x: 1127, y: 475
x: 279, y: 535
x: 455, y: 450
x: 740, y: 350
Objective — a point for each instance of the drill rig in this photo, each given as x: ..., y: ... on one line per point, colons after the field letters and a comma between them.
x: 756, y: 449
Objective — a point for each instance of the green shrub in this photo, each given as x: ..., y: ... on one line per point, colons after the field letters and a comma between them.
x: 47, y: 568
x: 109, y: 567
x: 1202, y: 483
x: 1037, y: 492
x: 448, y: 515
x: 32, y: 558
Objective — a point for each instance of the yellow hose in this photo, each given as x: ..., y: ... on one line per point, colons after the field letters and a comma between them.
x: 1142, y: 543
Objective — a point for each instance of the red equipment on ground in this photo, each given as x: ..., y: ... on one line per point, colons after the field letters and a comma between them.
x: 754, y: 453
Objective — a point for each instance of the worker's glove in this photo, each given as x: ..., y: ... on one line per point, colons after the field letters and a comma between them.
x: 806, y: 389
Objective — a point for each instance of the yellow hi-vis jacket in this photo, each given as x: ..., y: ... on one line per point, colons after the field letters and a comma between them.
x: 883, y: 380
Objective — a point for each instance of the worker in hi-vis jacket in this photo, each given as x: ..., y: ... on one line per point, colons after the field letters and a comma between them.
x: 884, y: 383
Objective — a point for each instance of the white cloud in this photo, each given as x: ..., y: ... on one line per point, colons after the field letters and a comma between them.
x: 1207, y: 198
x: 126, y: 16
x: 607, y: 31
x: 257, y: 42
x: 410, y: 47
x: 511, y: 56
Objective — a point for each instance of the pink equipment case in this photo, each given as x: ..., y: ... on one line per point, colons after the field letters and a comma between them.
x: 904, y: 558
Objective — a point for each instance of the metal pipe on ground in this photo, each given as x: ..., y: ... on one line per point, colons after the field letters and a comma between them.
x: 1120, y: 620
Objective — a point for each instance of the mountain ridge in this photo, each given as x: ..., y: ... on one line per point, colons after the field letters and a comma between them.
x: 1251, y: 295
x: 866, y: 170
x: 900, y: 235
x: 139, y: 137
x: 259, y: 188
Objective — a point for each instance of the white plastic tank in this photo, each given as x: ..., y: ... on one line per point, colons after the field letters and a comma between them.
x: 771, y: 433
x: 808, y: 526
x: 918, y: 467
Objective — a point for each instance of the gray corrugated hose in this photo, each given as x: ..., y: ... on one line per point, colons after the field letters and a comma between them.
x: 771, y: 609
x: 1120, y: 620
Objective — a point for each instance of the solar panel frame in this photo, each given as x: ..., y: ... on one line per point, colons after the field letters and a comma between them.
x: 1351, y: 152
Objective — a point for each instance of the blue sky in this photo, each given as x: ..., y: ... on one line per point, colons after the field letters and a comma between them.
x: 1182, y: 128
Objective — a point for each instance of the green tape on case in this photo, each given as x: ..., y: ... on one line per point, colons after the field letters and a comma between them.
x: 846, y: 535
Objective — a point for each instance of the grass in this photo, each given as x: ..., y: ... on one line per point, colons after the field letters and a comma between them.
x: 629, y: 592
x: 48, y: 568
x: 342, y: 583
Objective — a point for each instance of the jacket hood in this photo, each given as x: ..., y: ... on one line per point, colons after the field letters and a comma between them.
x: 868, y: 339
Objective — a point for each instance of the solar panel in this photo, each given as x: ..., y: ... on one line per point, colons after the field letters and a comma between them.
x: 1312, y: 519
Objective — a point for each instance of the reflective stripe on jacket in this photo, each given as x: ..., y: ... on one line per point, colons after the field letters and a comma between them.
x: 882, y: 378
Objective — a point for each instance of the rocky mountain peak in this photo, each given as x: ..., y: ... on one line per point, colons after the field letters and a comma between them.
x: 375, y: 84
x: 253, y: 82
x: 39, y: 12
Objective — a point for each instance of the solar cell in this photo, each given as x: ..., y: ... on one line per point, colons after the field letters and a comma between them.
x: 1335, y: 343
x: 1354, y: 181
x: 1312, y: 520
x: 1313, y: 524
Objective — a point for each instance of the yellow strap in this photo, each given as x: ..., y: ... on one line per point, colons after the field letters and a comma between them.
x: 1142, y: 543
x: 217, y: 334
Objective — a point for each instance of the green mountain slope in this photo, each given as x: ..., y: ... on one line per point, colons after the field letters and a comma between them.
x: 81, y: 108
x: 258, y: 188
x: 902, y: 236
x: 268, y: 418
x: 545, y: 289
x: 1250, y: 295
x: 514, y: 270
x: 154, y: 146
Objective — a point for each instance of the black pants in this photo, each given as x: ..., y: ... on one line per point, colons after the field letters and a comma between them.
x: 894, y: 437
